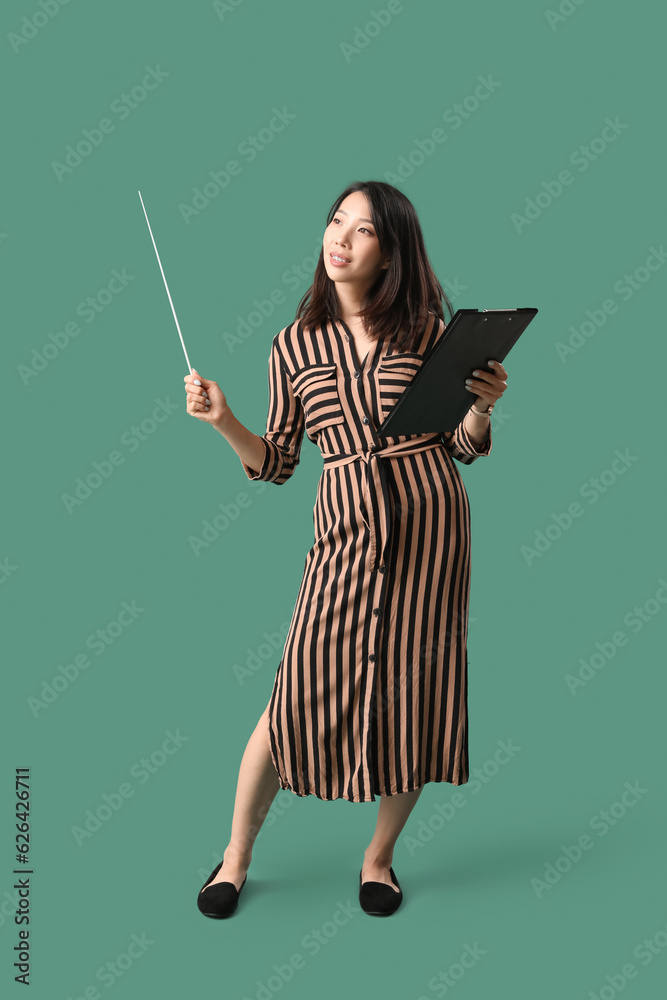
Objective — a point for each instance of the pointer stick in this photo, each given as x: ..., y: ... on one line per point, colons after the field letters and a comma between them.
x: 165, y: 284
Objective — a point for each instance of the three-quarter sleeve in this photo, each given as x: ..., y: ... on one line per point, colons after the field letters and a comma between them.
x: 459, y: 445
x: 285, y: 424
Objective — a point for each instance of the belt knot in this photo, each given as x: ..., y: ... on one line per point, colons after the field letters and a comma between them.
x: 410, y: 447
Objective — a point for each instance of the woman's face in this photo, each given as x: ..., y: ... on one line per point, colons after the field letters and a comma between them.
x: 352, y: 235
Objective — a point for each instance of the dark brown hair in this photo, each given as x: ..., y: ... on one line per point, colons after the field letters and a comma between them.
x: 399, y: 302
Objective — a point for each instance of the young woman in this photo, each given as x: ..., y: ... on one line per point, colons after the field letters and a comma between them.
x: 370, y: 696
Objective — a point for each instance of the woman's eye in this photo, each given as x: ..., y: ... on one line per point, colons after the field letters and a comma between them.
x: 363, y: 228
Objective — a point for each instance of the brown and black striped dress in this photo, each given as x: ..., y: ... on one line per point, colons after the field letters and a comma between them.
x: 370, y: 696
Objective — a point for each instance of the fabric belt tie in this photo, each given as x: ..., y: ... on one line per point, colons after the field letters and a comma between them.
x: 376, y: 488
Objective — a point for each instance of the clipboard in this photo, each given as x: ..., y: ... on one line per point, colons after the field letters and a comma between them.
x: 436, y: 399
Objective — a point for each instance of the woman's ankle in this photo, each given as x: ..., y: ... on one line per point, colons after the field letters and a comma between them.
x: 232, y: 856
x: 381, y: 859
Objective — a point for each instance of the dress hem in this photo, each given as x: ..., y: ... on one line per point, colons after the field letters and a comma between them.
x: 285, y: 786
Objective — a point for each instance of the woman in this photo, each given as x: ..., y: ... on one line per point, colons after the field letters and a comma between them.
x: 370, y: 696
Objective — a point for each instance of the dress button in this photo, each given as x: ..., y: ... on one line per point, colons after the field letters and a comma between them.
x: 376, y: 611
x: 365, y: 420
x: 381, y: 569
x: 356, y: 374
x: 346, y: 337
x: 372, y: 656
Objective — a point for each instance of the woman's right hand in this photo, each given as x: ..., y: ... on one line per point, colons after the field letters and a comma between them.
x: 205, y: 401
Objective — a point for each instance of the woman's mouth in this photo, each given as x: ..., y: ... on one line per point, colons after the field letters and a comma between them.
x: 338, y: 261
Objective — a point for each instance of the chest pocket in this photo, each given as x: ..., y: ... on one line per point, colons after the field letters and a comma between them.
x: 394, y: 374
x: 317, y: 388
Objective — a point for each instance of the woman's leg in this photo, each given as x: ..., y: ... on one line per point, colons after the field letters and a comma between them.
x: 392, y: 817
x: 256, y: 789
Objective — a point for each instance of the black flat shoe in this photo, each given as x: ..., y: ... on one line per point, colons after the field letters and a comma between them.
x: 378, y: 898
x: 221, y: 899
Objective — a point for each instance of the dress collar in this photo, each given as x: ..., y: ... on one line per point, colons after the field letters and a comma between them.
x: 349, y: 340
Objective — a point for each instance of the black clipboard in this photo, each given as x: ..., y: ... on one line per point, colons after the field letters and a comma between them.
x: 436, y: 399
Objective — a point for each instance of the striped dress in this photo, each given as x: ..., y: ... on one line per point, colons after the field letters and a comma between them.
x: 370, y: 695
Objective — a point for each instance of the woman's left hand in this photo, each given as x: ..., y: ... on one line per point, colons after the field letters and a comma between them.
x: 489, y: 387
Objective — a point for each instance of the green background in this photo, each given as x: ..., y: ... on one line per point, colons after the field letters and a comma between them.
x: 179, y: 666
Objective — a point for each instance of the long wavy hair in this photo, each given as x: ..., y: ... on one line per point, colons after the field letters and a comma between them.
x: 398, y: 303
